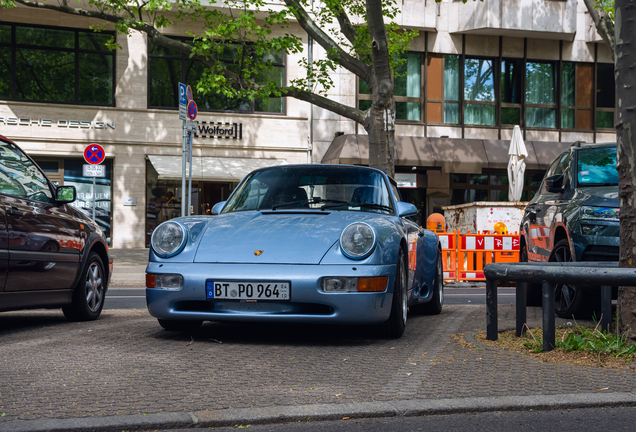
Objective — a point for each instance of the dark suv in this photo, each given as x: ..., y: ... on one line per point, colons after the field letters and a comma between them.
x: 574, y: 217
x: 51, y: 254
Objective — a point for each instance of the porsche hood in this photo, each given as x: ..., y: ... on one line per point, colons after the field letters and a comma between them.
x: 271, y: 237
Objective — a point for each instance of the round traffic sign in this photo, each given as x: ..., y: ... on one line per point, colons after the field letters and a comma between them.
x: 94, y: 154
x: 189, y: 93
x: 192, y: 110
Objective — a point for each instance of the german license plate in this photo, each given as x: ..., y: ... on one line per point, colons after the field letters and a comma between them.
x: 224, y: 290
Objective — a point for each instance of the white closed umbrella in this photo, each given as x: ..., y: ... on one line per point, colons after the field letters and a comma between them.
x: 516, y: 165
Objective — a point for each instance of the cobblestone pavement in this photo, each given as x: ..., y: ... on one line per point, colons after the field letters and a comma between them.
x: 124, y: 363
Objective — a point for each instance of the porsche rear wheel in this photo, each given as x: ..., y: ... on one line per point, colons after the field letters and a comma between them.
x: 394, y: 327
x: 434, y: 306
x: 174, y: 325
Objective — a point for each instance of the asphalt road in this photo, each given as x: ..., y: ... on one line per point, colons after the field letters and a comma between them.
x: 134, y: 297
x: 580, y: 420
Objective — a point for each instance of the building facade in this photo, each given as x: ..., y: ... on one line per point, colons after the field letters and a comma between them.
x: 475, y: 71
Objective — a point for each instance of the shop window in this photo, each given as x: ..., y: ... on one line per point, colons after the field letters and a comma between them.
x: 540, y: 95
x: 167, y: 68
x: 407, y: 89
x: 605, y: 96
x: 490, y: 186
x: 576, y: 95
x: 479, y: 92
x: 73, y: 176
x: 442, y: 87
x: 56, y: 65
x: 511, y: 78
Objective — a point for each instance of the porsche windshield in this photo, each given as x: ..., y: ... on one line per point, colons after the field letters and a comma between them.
x: 597, y: 167
x: 313, y: 187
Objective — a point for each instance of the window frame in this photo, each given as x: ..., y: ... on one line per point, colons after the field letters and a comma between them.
x: 183, y: 58
x: 557, y: 96
x: 13, y: 46
x: 576, y: 108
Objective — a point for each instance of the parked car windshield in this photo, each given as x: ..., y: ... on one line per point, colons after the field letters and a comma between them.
x: 313, y: 187
x: 597, y: 167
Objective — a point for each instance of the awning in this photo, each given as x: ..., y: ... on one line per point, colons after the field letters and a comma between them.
x: 210, y: 168
x: 452, y: 155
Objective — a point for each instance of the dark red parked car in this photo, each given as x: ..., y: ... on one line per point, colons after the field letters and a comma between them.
x: 51, y: 254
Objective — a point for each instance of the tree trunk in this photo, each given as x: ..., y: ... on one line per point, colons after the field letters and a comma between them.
x: 380, y: 120
x: 625, y: 72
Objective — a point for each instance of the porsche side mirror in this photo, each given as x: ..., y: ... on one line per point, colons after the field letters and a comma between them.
x: 65, y: 194
x: 218, y: 207
x: 406, y: 209
x: 555, y: 183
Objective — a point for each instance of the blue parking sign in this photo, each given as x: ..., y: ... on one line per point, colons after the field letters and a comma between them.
x: 183, y: 100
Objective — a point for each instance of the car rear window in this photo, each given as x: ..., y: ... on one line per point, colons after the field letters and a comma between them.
x: 597, y: 167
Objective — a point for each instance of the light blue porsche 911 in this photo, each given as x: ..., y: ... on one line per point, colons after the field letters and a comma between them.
x: 329, y: 244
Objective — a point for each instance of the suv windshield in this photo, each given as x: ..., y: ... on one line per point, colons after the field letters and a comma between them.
x: 309, y: 187
x: 597, y: 167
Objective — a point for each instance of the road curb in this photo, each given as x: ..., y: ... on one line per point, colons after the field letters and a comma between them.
x: 317, y: 412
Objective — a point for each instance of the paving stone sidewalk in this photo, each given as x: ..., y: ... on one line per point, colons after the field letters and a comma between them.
x: 125, y: 364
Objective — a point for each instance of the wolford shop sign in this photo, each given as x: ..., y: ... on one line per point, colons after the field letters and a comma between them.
x: 62, y: 123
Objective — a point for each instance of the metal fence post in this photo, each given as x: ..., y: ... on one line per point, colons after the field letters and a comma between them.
x: 491, y: 310
x: 520, y: 300
x: 606, y: 309
x: 548, y: 317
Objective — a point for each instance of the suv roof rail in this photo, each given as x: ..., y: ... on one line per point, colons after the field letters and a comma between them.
x: 578, y: 143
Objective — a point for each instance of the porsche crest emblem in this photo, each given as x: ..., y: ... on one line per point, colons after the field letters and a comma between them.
x: 258, y: 252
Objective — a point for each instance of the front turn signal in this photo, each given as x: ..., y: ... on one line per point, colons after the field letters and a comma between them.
x: 372, y: 284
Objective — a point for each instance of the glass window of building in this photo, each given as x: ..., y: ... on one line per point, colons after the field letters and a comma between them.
x: 490, y: 186
x: 407, y: 88
x: 56, y: 65
x: 479, y: 92
x: 511, y: 78
x: 167, y: 68
x: 576, y: 95
x: 605, y: 96
x: 442, y: 87
x: 540, y: 95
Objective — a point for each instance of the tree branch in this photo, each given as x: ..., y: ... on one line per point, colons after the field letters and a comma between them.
x: 602, y: 21
x: 334, y: 51
x: 345, y: 24
x: 328, y: 104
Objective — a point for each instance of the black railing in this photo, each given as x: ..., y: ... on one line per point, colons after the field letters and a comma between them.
x: 595, y: 274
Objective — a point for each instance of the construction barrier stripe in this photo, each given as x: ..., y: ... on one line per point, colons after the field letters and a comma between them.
x: 489, y: 242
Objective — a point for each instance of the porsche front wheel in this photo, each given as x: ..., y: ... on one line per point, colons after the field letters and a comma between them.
x: 394, y: 327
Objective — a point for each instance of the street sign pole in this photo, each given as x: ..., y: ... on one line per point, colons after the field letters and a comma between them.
x: 190, y: 173
x: 93, y: 199
x: 183, y: 100
x: 183, y: 172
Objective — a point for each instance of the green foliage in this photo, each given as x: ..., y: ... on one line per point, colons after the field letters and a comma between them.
x: 581, y: 338
x: 255, y: 32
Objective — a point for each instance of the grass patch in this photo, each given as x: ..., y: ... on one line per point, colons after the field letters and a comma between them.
x: 578, y: 345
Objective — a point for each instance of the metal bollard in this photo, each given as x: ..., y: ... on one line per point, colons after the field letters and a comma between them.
x: 606, y: 309
x: 549, y: 322
x: 520, y: 301
x: 491, y: 310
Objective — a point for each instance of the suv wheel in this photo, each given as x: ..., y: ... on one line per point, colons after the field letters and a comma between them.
x: 568, y: 299
x: 533, y: 290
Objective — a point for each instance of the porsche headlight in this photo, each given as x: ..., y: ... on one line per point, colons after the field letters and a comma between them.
x: 357, y: 240
x: 168, y: 239
x: 599, y: 213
